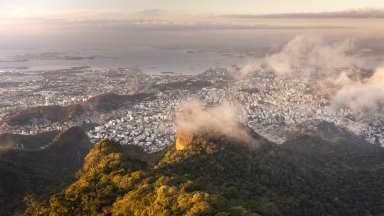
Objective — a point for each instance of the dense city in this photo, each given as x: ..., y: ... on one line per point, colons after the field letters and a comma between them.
x: 270, y: 105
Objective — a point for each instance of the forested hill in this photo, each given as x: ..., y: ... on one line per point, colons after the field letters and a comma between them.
x: 27, y: 142
x: 55, y: 113
x: 40, y: 172
x: 220, y: 176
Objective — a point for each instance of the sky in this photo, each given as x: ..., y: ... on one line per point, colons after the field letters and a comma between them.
x: 196, y: 6
x: 26, y: 23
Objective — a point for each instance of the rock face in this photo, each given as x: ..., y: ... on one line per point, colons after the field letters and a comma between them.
x: 183, y: 138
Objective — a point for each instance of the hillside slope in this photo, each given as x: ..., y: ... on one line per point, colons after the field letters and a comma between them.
x: 27, y: 142
x: 55, y: 113
x: 40, y: 172
x: 220, y: 176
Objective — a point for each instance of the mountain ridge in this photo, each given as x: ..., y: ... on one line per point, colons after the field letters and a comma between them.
x: 41, y: 172
x: 217, y: 175
x: 55, y: 113
x: 27, y: 142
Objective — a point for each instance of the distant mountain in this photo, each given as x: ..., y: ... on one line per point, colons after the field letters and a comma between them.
x: 54, y: 113
x: 316, y: 144
x: 326, y: 130
x: 191, y: 85
x: 216, y: 175
x: 27, y: 142
x: 40, y: 172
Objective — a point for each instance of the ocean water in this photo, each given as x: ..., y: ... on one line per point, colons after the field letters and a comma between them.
x: 149, y: 60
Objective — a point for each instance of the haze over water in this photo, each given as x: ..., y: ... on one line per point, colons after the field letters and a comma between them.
x: 149, y: 60
x: 184, y: 38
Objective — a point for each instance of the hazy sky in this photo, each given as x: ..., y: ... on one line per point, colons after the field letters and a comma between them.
x: 204, y: 6
x: 73, y: 22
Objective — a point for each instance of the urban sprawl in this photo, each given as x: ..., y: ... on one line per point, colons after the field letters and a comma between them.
x: 269, y: 104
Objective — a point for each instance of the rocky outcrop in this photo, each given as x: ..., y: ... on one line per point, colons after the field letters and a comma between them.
x: 183, y: 138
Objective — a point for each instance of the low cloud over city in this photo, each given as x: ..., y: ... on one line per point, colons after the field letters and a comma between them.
x: 195, y: 117
x: 326, y: 63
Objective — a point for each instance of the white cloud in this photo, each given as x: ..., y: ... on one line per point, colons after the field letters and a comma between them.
x: 365, y: 98
x: 346, y: 14
x: 329, y: 64
x: 221, y: 119
x: 312, y: 57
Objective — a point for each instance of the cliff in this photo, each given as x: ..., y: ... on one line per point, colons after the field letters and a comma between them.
x: 183, y: 138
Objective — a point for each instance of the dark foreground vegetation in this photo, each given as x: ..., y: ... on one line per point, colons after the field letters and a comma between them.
x: 219, y: 176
